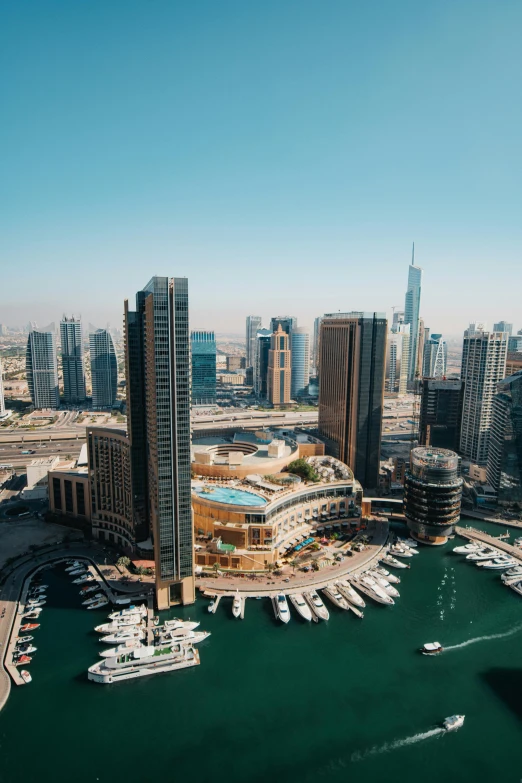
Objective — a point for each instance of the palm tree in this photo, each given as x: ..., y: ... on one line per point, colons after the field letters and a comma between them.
x: 294, y: 563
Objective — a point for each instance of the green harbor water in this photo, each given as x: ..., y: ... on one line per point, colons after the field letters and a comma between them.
x: 339, y: 701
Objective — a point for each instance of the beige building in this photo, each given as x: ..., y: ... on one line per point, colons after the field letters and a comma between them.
x: 231, y: 378
x: 513, y: 363
x: 69, y: 493
x: 279, y: 369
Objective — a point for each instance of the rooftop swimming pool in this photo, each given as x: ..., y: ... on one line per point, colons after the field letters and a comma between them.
x: 236, y: 497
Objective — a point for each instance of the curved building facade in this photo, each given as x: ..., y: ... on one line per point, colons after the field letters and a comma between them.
x: 432, y: 494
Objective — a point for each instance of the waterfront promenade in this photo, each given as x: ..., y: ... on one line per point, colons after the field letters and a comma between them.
x: 268, y: 586
x: 474, y: 534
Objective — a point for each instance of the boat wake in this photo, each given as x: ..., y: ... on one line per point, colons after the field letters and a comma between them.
x: 389, y: 746
x: 504, y: 635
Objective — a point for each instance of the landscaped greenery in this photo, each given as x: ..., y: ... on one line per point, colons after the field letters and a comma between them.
x: 300, y: 467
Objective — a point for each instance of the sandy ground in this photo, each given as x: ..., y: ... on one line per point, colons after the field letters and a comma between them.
x: 17, y: 535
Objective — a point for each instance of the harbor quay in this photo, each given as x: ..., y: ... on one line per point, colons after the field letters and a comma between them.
x: 473, y: 534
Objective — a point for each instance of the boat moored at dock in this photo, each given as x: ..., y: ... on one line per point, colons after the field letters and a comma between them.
x: 236, y: 606
x: 391, y: 561
x: 350, y: 594
x: 89, y: 601
x: 282, y: 612
x: 123, y: 635
x: 82, y: 579
x: 332, y: 592
x: 26, y: 677
x: 99, y: 603
x: 142, y: 663
x: 387, y: 575
x: 116, y: 625
x: 386, y: 586
x: 319, y: 610
x: 370, y: 587
x: 498, y: 563
x: 140, y: 609
x: 301, y: 607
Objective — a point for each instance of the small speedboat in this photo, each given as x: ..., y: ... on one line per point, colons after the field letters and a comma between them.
x: 34, y: 614
x: 99, y: 603
x: 432, y: 648
x: 24, y: 639
x: 96, y: 597
x: 74, y: 566
x: 236, y: 606
x: 301, y: 606
x: 89, y: 589
x: 407, y: 542
x: 26, y: 677
x: 36, y: 604
x: 25, y: 649
x: 21, y: 660
x: 87, y: 577
x: 78, y: 571
x: 454, y: 722
x: 30, y: 627
x: 516, y: 586
x: 210, y: 607
x: 281, y: 607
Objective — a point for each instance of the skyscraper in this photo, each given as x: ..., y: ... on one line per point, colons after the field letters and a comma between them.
x: 435, y: 357
x: 158, y: 408
x: 504, y: 470
x: 300, y: 362
x: 41, y: 368
x: 353, y: 348
x: 253, y: 324
x: 317, y: 337
x: 2, y: 398
x: 503, y: 326
x: 263, y: 343
x: 287, y: 324
x: 412, y: 311
x: 483, y: 366
x: 398, y: 320
x: 440, y: 416
x: 104, y: 369
x: 279, y: 369
x: 72, y: 360
x: 515, y: 344
x: 203, y: 368
x: 398, y: 359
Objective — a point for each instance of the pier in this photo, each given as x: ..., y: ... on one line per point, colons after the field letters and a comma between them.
x: 477, y: 535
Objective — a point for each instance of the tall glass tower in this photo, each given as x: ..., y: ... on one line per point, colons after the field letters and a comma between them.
x: 412, y: 312
x: 203, y: 346
x: 158, y: 406
x: 41, y: 368
x: 300, y: 362
x: 253, y: 324
x: 435, y: 357
x: 104, y: 369
x: 72, y: 360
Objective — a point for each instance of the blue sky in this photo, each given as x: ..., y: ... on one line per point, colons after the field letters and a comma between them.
x: 281, y: 154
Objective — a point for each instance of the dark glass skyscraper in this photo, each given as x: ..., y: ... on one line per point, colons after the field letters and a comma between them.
x: 504, y: 470
x: 41, y: 368
x: 203, y: 346
x: 440, y: 412
x: 263, y: 341
x: 72, y: 360
x: 352, y: 360
x: 104, y: 369
x: 158, y: 406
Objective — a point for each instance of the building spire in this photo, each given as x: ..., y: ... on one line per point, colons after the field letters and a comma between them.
x: 413, y: 254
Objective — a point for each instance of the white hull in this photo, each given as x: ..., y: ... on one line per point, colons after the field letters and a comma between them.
x: 119, y: 638
x: 375, y: 593
x: 319, y: 610
x: 387, y: 575
x: 517, y: 587
x: 336, y: 597
x: 401, y: 553
x: 497, y: 566
x: 282, y: 612
x: 141, y: 671
x: 351, y: 595
x: 301, y: 606
x: 391, y: 561
x: 385, y: 585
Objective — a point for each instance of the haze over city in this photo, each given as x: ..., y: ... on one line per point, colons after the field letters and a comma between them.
x: 281, y: 156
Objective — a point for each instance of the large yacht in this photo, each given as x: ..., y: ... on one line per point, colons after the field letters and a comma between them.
x: 129, y: 644
x: 500, y: 563
x: 176, y: 637
x: 123, y: 635
x: 132, y: 609
x: 236, y: 605
x: 370, y: 587
x: 93, y: 600
x: 122, y: 622
x: 384, y: 583
x: 301, y: 606
x: 387, y: 575
x: 188, y: 624
x: 143, y: 662
x: 350, y: 594
x: 467, y: 549
x: 402, y: 551
x: 391, y: 561
x: 319, y: 610
x: 332, y: 592
x: 484, y: 553
x: 281, y: 607
x: 87, y: 577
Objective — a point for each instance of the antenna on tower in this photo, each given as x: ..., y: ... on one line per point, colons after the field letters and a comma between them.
x: 413, y: 254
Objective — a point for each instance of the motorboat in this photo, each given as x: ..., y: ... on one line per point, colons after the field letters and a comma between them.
x: 516, y: 586
x: 78, y: 571
x: 93, y: 600
x: 99, y: 603
x: 210, y: 607
x: 24, y: 639
x: 370, y: 587
x: 175, y: 633
x: 74, y: 566
x: 513, y: 575
x: 332, y: 592
x: 517, y: 542
x: 129, y: 644
x: 391, y: 561
x: 34, y: 614
x: 386, y: 586
x: 401, y: 551
x: 89, y: 589
x: 502, y: 563
x: 143, y: 662
x: 123, y: 636
x: 432, y: 648
x: 513, y: 571
x: 319, y: 610
x: 281, y: 607
x: 37, y: 600
x: 301, y: 607
x: 237, y: 606
x: 26, y: 677
x: 407, y: 542
x: 188, y: 624
x: 87, y: 577
x: 467, y: 549
x: 36, y: 604
x: 186, y: 637
x: 38, y: 589
x: 122, y: 622
x: 21, y: 660
x: 387, y: 575
x: 26, y: 649
x: 132, y: 609
x: 486, y: 553
x: 454, y: 722
x: 29, y: 627
x: 350, y: 594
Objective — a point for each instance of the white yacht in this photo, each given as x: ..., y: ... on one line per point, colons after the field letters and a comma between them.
x: 142, y: 662
x: 188, y: 624
x: 38, y: 589
x: 384, y: 583
x: 387, y: 575
x: 454, y: 722
x: 25, y: 649
x: 129, y: 644
x: 397, y: 551
x: 485, y: 553
x: 501, y: 563
x: 33, y: 613
x: 350, y: 594
x: 236, y: 605
x: 37, y: 601
x: 122, y: 622
x: 370, y: 587
x: 301, y: 606
x: 408, y: 542
x: 186, y: 637
x: 90, y: 589
x: 332, y: 592
x: 93, y: 600
x: 78, y: 571
x: 432, y: 648
x: 319, y: 610
x: 141, y: 609
x: 87, y: 577
x: 282, y: 612
x: 73, y: 566
x: 99, y: 603
x: 467, y: 549
x: 391, y: 561
x: 513, y: 575
x: 516, y: 586
x: 123, y: 635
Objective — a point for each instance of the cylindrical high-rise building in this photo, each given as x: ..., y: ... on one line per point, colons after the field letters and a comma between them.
x: 432, y: 494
